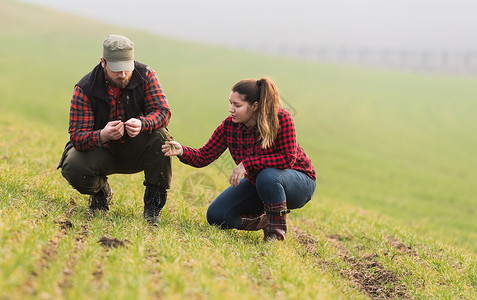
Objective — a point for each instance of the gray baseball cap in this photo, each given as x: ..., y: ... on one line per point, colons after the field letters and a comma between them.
x: 118, y: 51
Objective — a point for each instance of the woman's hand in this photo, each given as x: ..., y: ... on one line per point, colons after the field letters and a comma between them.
x: 237, y: 174
x: 172, y: 148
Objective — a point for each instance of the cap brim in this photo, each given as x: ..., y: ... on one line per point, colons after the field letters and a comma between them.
x: 120, y: 66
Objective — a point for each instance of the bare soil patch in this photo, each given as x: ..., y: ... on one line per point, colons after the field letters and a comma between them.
x: 364, y: 272
x: 372, y: 278
x: 400, y: 246
x: 48, y: 253
x: 112, y: 242
x: 65, y: 225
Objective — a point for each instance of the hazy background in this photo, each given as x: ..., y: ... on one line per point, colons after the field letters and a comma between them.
x: 431, y: 35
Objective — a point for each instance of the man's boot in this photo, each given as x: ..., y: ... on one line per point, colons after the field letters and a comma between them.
x: 253, y: 222
x: 277, y: 215
x: 154, y: 200
x: 101, y: 200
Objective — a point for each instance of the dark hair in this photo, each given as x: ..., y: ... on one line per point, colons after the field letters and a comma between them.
x: 265, y: 93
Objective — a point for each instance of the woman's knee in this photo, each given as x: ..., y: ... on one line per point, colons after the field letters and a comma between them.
x: 268, y: 176
x: 224, y: 219
x: 215, y: 217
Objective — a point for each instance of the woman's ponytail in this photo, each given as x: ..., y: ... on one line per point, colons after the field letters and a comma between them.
x: 268, y: 105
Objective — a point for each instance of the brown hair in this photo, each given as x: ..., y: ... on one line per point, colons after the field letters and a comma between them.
x: 265, y: 92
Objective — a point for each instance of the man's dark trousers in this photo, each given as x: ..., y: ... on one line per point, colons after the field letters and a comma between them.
x: 87, y: 171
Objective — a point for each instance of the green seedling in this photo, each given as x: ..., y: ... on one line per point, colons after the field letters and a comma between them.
x: 168, y: 137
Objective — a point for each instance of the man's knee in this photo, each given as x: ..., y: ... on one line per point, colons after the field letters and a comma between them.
x: 152, y: 145
x: 158, y: 137
x: 157, y: 166
x: 79, y: 176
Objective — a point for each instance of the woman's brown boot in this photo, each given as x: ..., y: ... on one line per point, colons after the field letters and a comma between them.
x: 277, y: 216
x: 253, y: 222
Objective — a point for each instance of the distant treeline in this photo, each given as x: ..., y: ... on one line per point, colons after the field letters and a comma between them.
x: 439, y: 61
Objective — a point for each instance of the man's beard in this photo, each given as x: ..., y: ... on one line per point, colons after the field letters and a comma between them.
x: 117, y: 82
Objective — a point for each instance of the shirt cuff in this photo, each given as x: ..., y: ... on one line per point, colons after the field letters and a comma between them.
x: 185, y: 157
x: 143, y: 124
x: 97, y: 137
x: 247, y: 164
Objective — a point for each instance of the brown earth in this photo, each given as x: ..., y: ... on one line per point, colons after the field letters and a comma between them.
x: 112, y: 242
x: 363, y: 272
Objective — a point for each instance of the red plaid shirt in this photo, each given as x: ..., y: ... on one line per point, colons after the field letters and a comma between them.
x: 157, y: 112
x: 245, y: 146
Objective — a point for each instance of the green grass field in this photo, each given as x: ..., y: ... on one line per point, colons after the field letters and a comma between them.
x: 393, y: 216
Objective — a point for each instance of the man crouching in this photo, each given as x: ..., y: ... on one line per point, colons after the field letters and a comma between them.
x: 117, y: 125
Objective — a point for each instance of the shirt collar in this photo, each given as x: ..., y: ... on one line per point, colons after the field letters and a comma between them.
x: 113, y: 91
x: 244, y: 127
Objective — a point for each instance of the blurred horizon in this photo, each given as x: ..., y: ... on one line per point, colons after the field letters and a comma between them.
x: 426, y: 35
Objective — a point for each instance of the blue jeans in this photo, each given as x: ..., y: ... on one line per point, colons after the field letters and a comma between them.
x: 272, y: 186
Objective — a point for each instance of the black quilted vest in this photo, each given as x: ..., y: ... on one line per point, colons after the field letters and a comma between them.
x: 93, y: 85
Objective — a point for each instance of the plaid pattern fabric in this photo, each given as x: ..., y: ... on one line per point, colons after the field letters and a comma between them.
x: 245, y: 146
x: 253, y: 222
x: 156, y: 115
x: 117, y: 107
x: 277, y: 216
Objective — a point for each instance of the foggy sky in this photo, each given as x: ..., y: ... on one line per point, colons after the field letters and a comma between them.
x: 433, y: 25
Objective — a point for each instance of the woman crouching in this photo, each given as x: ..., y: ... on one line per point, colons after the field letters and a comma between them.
x: 273, y: 173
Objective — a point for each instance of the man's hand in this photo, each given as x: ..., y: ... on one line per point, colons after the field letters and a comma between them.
x: 133, y: 127
x: 237, y: 174
x: 114, y: 130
